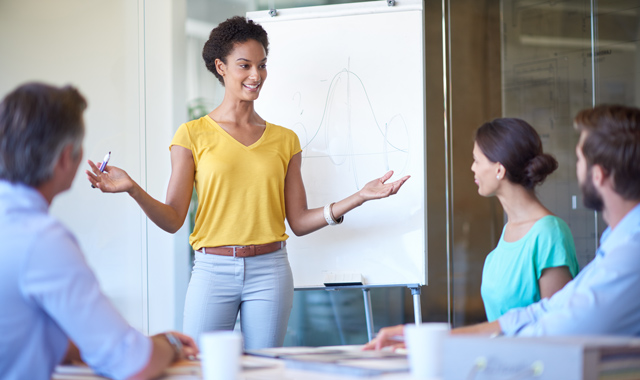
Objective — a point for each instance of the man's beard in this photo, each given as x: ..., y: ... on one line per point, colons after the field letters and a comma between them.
x: 590, y: 196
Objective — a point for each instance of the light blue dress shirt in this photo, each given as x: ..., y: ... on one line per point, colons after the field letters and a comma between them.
x: 602, y: 300
x: 48, y: 295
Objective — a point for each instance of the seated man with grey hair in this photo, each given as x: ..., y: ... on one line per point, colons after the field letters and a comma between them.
x: 52, y: 308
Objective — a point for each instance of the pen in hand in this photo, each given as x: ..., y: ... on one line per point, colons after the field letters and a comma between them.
x: 104, y: 163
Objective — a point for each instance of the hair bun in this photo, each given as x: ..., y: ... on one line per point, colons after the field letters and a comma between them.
x: 516, y: 145
x: 539, y: 167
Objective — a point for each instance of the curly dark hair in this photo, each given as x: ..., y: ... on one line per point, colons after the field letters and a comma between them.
x: 224, y: 37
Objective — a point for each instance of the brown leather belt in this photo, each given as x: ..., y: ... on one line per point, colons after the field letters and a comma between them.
x: 244, y: 250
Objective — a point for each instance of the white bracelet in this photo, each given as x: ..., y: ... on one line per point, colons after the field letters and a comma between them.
x: 328, y: 216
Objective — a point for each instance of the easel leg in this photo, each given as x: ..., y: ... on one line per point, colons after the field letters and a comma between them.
x: 417, y: 307
x: 368, y: 312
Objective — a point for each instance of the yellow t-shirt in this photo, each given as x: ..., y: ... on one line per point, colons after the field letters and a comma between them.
x: 240, y: 188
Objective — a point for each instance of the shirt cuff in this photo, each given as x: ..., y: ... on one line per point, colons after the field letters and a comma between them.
x: 513, y: 321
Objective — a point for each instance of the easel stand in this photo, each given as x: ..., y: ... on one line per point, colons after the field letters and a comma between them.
x: 415, y: 292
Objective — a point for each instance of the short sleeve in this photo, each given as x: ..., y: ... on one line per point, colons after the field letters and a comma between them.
x: 555, y: 247
x: 294, y: 143
x: 182, y: 138
x: 58, y: 279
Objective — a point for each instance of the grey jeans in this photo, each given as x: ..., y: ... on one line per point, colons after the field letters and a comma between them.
x: 259, y: 287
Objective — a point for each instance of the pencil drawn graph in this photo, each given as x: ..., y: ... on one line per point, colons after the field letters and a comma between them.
x: 349, y: 133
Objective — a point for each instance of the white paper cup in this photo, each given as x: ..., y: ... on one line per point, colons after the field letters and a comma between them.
x: 425, y: 345
x: 220, y: 355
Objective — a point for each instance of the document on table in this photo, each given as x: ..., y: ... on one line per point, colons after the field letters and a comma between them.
x: 346, y: 360
x: 279, y: 352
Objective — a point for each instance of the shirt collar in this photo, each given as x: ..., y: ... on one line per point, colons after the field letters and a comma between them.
x: 19, y: 196
x: 611, y: 238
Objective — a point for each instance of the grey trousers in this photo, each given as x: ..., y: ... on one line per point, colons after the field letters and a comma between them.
x: 259, y: 287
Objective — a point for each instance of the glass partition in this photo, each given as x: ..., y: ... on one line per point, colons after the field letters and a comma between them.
x: 558, y: 58
x: 547, y: 74
x: 555, y: 58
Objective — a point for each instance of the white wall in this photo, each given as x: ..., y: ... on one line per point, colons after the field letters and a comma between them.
x: 123, y: 58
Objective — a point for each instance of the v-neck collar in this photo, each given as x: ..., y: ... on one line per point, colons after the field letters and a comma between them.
x: 225, y: 133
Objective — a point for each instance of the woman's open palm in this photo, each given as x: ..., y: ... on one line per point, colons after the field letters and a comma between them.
x: 377, y: 188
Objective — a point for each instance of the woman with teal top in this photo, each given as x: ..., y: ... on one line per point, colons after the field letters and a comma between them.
x: 535, y: 256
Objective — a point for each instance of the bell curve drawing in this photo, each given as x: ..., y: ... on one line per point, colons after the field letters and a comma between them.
x: 337, y: 139
x: 348, y: 79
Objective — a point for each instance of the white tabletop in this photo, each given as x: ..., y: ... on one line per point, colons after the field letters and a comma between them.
x: 254, y: 368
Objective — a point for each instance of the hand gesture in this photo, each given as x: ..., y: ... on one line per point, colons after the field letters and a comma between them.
x: 377, y: 188
x: 387, y: 337
x: 189, y: 347
x: 112, y: 180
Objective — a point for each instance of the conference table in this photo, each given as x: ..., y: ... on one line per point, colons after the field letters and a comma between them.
x: 463, y: 357
x: 253, y: 368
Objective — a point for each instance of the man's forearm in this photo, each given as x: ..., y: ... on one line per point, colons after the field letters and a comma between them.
x: 487, y: 328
